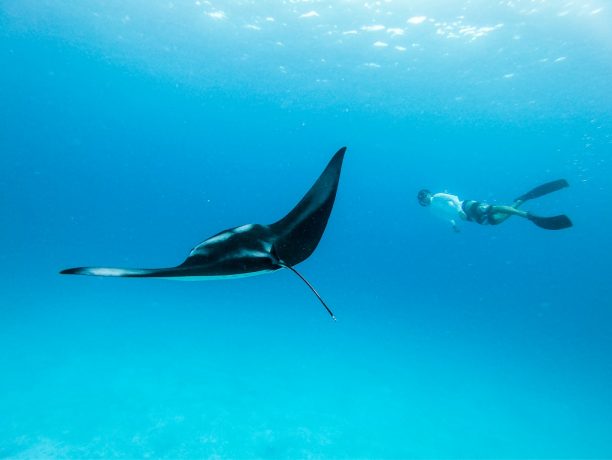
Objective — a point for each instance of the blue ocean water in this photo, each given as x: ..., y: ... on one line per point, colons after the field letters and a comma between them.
x: 131, y: 131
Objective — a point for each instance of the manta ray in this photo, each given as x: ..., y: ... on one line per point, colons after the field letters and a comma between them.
x: 253, y: 249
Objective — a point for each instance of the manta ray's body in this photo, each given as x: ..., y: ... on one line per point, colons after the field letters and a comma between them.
x: 254, y: 248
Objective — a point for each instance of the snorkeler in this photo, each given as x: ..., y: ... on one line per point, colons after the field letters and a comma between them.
x: 451, y: 208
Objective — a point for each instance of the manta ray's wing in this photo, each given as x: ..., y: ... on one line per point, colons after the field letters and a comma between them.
x: 293, y: 238
x: 299, y: 232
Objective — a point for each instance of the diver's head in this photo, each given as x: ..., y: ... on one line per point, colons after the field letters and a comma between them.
x: 424, y: 197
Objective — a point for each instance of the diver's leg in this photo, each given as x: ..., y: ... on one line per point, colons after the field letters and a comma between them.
x: 498, y: 214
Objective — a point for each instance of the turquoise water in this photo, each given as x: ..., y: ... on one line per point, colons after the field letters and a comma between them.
x: 131, y: 131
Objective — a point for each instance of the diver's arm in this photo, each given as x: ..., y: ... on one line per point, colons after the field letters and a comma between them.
x: 446, y: 196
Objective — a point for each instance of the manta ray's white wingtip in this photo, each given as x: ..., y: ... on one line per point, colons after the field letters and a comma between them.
x: 108, y: 271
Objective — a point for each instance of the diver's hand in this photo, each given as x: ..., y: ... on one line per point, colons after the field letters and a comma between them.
x: 456, y: 228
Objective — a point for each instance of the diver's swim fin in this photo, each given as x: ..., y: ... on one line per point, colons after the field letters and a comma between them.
x: 543, y: 189
x: 551, y: 223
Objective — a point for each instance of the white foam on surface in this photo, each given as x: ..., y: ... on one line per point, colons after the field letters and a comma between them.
x: 458, y: 29
x: 310, y: 14
x: 217, y: 15
x: 416, y: 20
x: 373, y: 28
x: 395, y: 31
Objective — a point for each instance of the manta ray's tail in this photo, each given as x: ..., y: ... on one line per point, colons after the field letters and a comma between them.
x: 110, y: 271
x: 331, y: 313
